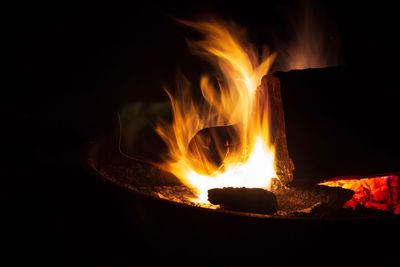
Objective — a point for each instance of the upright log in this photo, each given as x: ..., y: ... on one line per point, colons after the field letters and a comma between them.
x: 271, y: 88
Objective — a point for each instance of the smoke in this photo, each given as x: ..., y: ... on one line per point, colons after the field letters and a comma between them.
x: 311, y: 43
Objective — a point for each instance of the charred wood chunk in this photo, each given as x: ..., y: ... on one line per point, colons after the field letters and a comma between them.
x: 213, y: 145
x: 254, y: 200
x: 301, y: 197
x: 335, y: 198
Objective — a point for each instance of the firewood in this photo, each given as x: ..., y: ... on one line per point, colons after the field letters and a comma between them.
x: 213, y: 144
x: 270, y: 90
x: 302, y: 197
x: 253, y: 200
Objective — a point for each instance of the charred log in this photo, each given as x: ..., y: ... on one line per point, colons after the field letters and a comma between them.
x: 301, y: 198
x: 328, y: 115
x: 253, y: 200
x: 213, y: 145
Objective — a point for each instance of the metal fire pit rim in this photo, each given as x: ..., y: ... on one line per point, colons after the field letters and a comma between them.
x: 90, y: 156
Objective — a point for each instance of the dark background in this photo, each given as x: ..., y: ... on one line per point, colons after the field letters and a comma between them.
x: 70, y: 66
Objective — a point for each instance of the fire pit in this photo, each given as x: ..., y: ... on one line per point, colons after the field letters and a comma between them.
x: 227, y: 181
x: 179, y: 231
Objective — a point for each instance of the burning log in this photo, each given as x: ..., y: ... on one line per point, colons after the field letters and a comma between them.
x: 270, y: 84
x: 253, y: 200
x: 213, y: 144
x: 380, y: 193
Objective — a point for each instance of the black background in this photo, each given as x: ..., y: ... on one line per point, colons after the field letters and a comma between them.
x: 70, y: 66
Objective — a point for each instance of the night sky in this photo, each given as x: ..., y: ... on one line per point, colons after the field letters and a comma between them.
x: 69, y: 67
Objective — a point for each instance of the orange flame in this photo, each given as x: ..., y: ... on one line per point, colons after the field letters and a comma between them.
x: 235, y: 102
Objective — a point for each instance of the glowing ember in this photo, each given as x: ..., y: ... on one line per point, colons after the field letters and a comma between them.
x: 234, y: 101
x: 382, y: 193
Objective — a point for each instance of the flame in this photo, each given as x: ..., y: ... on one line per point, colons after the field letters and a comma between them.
x: 231, y: 98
